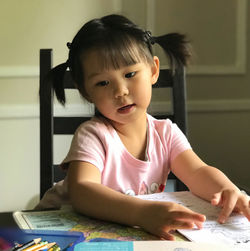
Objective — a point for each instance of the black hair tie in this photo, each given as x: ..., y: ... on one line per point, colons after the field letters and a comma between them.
x: 149, y: 37
x: 69, y: 45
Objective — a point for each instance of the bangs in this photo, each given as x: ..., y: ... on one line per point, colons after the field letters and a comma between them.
x: 119, y: 51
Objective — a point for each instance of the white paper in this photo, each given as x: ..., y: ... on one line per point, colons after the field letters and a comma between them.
x: 236, y: 231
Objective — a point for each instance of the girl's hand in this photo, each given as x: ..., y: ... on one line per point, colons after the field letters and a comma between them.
x: 231, y: 200
x: 159, y: 218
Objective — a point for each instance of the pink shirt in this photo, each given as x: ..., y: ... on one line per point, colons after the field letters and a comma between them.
x: 97, y: 142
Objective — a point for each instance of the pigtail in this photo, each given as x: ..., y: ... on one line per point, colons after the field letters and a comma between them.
x: 176, y: 47
x: 56, y: 77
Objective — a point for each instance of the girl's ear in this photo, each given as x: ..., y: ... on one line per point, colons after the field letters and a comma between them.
x: 155, y: 69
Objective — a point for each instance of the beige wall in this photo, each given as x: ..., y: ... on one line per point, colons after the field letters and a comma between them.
x: 218, y: 80
x: 26, y: 26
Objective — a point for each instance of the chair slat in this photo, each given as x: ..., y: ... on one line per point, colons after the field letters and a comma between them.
x: 68, y: 125
x: 165, y: 79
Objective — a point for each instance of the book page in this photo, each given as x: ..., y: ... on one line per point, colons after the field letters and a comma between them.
x: 236, y: 231
x: 45, y: 220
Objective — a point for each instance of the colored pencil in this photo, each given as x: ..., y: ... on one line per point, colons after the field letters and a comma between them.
x: 45, y: 246
x: 28, y: 244
x: 54, y: 248
x: 35, y: 246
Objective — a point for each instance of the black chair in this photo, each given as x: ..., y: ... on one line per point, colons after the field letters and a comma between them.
x: 51, y: 125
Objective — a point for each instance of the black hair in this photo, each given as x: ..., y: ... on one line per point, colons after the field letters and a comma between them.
x: 120, y: 42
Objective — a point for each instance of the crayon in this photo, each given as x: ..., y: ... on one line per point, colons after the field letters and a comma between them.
x: 35, y: 246
x: 45, y: 246
x: 54, y: 248
x: 27, y: 244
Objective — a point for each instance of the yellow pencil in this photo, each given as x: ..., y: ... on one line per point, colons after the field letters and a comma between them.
x: 45, y: 246
x: 35, y: 246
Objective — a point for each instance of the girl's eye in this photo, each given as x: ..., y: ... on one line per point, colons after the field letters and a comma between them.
x: 130, y: 74
x: 102, y: 83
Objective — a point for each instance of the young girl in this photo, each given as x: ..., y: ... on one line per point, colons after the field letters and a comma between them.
x: 124, y: 151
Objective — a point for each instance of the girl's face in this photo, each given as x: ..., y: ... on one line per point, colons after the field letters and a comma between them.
x: 123, y: 94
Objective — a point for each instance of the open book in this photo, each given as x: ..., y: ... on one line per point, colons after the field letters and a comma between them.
x: 235, y: 232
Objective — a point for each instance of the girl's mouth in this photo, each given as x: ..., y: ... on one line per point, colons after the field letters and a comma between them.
x: 126, y: 108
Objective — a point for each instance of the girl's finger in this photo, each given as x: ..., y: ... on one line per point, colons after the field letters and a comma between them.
x: 216, y: 200
x: 228, y: 207
x: 199, y: 224
x: 178, y: 224
x: 167, y: 236
x: 189, y: 216
x: 165, y: 233
x: 244, y: 208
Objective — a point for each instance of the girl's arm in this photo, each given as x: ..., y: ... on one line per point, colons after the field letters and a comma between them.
x: 210, y: 184
x: 90, y: 197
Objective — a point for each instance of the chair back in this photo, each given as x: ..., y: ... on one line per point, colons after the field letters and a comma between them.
x: 51, y: 125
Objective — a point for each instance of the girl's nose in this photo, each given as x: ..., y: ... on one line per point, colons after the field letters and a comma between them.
x: 120, y: 90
